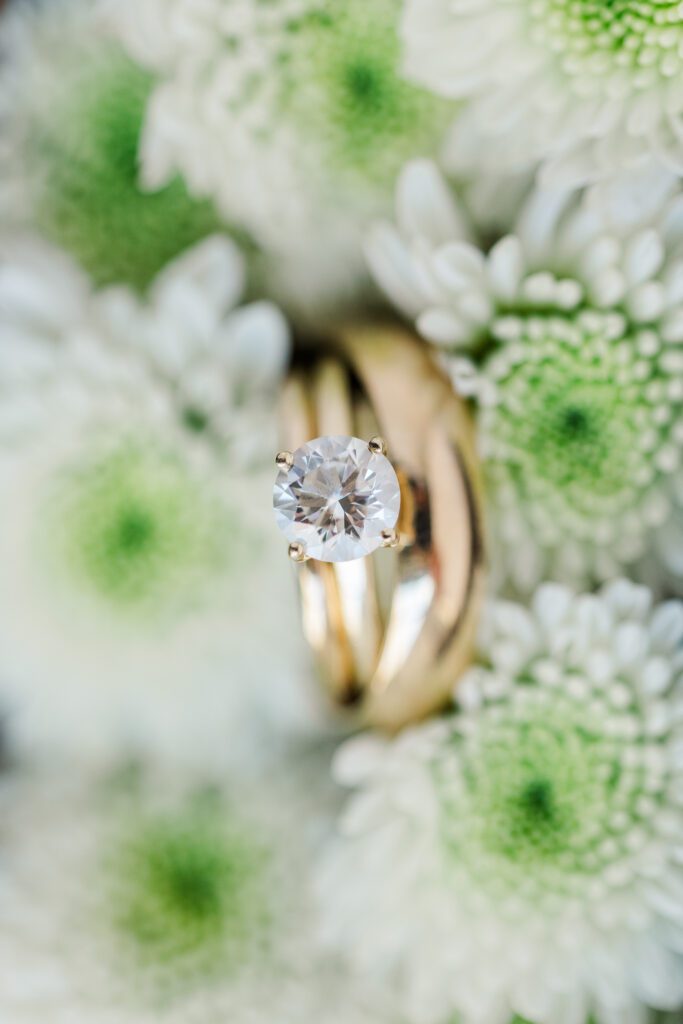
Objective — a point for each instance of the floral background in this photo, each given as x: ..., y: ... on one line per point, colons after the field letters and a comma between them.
x: 189, y: 188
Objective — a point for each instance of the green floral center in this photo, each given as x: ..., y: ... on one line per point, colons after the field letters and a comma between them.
x: 83, y: 147
x: 544, y: 797
x: 135, y: 527
x: 580, y: 438
x: 190, y: 891
x: 577, y: 421
x: 343, y: 82
x: 533, y: 807
x: 536, y: 801
x: 595, y: 36
x: 195, y: 420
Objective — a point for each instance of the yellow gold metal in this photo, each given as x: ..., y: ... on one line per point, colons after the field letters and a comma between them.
x: 284, y: 460
x: 392, y: 636
x: 297, y: 552
x: 390, y: 538
x: 377, y: 445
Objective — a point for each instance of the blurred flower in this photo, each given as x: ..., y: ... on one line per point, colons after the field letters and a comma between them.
x: 72, y: 108
x: 137, y: 573
x: 524, y: 855
x: 292, y: 116
x: 161, y: 900
x: 591, y: 89
x: 574, y: 329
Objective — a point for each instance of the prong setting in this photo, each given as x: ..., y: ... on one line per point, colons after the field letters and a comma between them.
x: 284, y: 460
x: 297, y: 552
x: 307, y: 505
x: 390, y: 538
x: 377, y: 445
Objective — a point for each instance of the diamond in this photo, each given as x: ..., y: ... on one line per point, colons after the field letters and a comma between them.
x: 337, y: 498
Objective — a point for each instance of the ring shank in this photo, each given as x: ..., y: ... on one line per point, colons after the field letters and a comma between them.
x: 397, y: 664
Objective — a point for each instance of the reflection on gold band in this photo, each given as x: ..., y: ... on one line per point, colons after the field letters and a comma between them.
x: 392, y: 633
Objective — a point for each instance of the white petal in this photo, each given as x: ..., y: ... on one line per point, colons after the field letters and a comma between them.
x: 647, y: 302
x: 657, y: 975
x: 538, y: 223
x: 458, y: 263
x: 257, y: 345
x: 666, y: 627
x: 210, y: 274
x: 607, y: 288
x: 672, y: 327
x: 656, y: 676
x: 551, y: 603
x: 392, y: 267
x: 673, y: 284
x: 357, y: 760
x: 424, y: 205
x: 444, y: 327
x: 643, y: 257
x: 505, y: 268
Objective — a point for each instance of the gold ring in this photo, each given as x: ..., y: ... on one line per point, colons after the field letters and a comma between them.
x: 390, y: 633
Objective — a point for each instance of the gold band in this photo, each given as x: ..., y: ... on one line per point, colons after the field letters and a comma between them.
x: 391, y: 633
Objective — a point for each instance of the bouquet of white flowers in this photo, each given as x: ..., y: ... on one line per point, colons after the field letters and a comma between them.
x: 195, y: 196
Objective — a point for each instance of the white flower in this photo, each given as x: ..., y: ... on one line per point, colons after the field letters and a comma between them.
x: 574, y: 324
x: 138, y: 569
x: 291, y: 116
x: 588, y: 88
x: 524, y: 856
x: 72, y: 105
x: 144, y: 898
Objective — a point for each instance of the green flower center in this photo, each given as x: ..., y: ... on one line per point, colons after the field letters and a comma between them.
x: 134, y: 526
x: 195, y: 420
x: 576, y: 423
x: 342, y: 81
x: 363, y: 84
x: 592, y: 36
x: 190, y: 892
x: 537, y: 803
x: 534, y: 807
x: 544, y: 796
x: 579, y: 438
x: 83, y: 146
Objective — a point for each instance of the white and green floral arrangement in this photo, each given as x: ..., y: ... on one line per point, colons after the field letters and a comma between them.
x: 188, y: 188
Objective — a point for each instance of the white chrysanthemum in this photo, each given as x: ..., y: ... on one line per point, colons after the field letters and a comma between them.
x: 292, y: 116
x: 72, y: 105
x: 137, y: 570
x: 149, y: 899
x: 589, y: 88
x: 524, y: 856
x: 575, y: 329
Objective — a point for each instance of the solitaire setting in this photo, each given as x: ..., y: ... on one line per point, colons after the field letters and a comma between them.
x: 388, y: 634
x: 337, y: 499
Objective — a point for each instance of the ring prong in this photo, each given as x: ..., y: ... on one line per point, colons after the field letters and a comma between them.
x: 284, y: 460
x: 297, y: 552
x: 377, y: 445
x: 390, y: 538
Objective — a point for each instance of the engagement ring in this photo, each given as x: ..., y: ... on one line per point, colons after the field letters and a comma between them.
x: 379, y: 454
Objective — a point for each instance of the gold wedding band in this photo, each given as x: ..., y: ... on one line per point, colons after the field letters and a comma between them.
x: 392, y: 632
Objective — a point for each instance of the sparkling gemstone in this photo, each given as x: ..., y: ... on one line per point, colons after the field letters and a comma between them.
x: 337, y: 498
